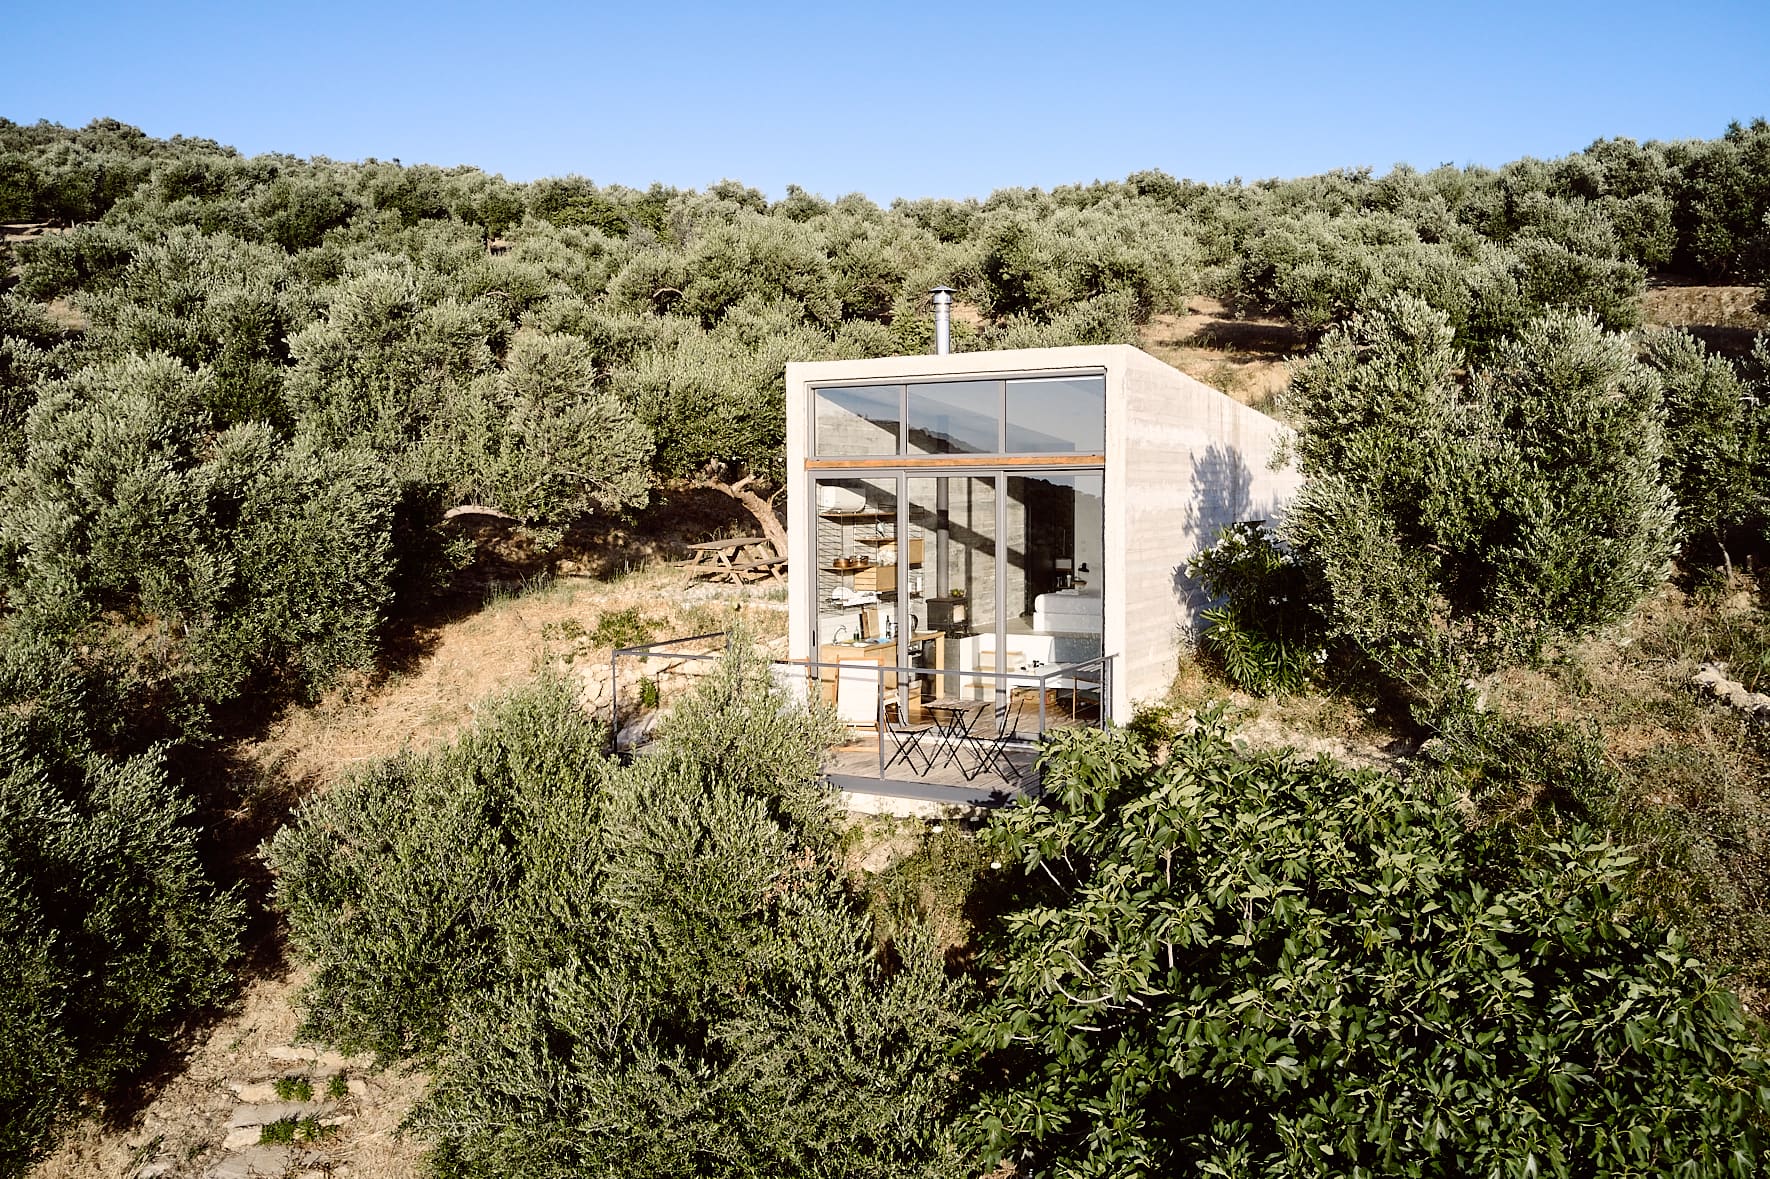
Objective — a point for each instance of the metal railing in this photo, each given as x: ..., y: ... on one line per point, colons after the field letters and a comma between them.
x: 1089, y: 679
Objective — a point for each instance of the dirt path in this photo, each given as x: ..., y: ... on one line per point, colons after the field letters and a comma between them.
x: 202, y: 1117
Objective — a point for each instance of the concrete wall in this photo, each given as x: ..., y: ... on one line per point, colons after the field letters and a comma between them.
x: 1182, y: 460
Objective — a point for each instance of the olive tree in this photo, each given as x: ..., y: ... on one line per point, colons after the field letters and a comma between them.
x: 203, y: 560
x: 539, y: 439
x: 111, y: 932
x: 1470, y: 521
x: 644, y: 970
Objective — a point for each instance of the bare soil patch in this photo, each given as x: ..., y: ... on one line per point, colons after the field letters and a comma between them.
x: 1725, y: 318
x: 1249, y: 359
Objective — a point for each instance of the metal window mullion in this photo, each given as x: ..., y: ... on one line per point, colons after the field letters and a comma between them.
x: 903, y: 419
x: 900, y: 537
x: 1001, y: 481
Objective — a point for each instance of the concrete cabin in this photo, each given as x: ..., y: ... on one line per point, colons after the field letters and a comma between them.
x: 1005, y: 526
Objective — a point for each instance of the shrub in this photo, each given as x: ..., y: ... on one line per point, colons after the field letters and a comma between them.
x: 627, y: 627
x: 1691, y: 812
x: 207, y: 562
x: 1463, y: 527
x: 644, y: 970
x: 1714, y: 447
x: 110, y: 932
x: 1245, y: 964
x: 1268, y: 635
x: 394, y: 884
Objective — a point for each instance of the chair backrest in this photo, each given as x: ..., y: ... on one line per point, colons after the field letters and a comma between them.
x: 857, y: 693
x: 1012, y: 710
x: 982, y: 721
x: 895, y: 721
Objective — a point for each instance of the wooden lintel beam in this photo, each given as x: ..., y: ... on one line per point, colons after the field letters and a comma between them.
x: 926, y: 462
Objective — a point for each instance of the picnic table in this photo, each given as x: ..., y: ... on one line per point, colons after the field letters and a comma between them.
x: 738, y: 559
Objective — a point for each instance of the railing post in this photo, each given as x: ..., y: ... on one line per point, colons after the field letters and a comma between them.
x: 878, y: 723
x: 1042, y: 682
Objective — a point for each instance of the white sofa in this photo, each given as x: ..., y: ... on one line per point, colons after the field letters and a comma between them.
x: 1070, y: 611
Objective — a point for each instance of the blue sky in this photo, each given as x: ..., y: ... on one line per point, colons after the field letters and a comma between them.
x: 946, y: 98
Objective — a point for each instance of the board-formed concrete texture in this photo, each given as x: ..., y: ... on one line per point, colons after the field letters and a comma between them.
x: 1182, y: 461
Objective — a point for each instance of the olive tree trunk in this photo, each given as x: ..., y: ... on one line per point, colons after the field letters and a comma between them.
x: 762, y: 509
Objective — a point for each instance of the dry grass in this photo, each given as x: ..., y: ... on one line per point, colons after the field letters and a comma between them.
x: 487, y: 653
x: 1724, y: 318
x: 1249, y: 359
x: 1672, y: 302
x: 1347, y: 728
x: 185, y: 1121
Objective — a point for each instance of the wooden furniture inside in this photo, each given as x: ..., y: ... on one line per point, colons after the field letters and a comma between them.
x: 881, y: 655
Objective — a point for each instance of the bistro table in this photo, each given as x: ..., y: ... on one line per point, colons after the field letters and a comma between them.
x: 719, y: 560
x: 953, y: 717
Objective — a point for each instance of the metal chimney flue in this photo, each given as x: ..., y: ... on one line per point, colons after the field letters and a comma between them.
x: 943, y: 320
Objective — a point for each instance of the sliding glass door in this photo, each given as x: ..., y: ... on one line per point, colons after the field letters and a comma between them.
x: 1054, y: 551
x: 954, y: 530
x: 958, y: 576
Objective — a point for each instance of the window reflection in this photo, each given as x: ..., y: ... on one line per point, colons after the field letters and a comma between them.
x: 1058, y: 415
x: 1044, y: 415
x: 955, y: 417
x: 860, y: 419
x: 1055, y: 561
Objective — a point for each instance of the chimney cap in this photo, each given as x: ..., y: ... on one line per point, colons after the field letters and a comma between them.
x: 938, y: 291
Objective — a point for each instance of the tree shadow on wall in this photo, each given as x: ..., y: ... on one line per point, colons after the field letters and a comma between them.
x: 1222, y: 494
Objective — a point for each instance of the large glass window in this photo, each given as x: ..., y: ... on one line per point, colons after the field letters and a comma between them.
x: 1044, y: 415
x: 859, y: 419
x: 952, y: 522
x: 972, y: 583
x: 856, y: 567
x: 955, y: 417
x: 1057, y: 415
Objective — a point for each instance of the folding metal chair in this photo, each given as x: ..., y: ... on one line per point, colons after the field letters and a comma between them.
x: 905, y: 738
x: 992, y: 746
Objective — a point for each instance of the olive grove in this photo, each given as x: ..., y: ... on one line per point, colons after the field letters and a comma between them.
x: 238, y: 396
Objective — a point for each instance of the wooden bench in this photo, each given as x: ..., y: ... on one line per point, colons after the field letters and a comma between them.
x: 716, y: 560
x: 771, y: 568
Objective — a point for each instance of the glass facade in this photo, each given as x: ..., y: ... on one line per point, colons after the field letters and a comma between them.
x: 858, y: 420
x: 1061, y: 415
x: 960, y: 573
x: 954, y: 417
x: 964, y: 583
x: 1019, y: 415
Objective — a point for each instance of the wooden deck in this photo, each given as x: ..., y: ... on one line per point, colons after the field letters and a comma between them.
x: 855, y: 767
x: 953, y: 778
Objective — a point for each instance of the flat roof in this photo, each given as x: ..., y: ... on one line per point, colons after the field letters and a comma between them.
x: 1007, y: 361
